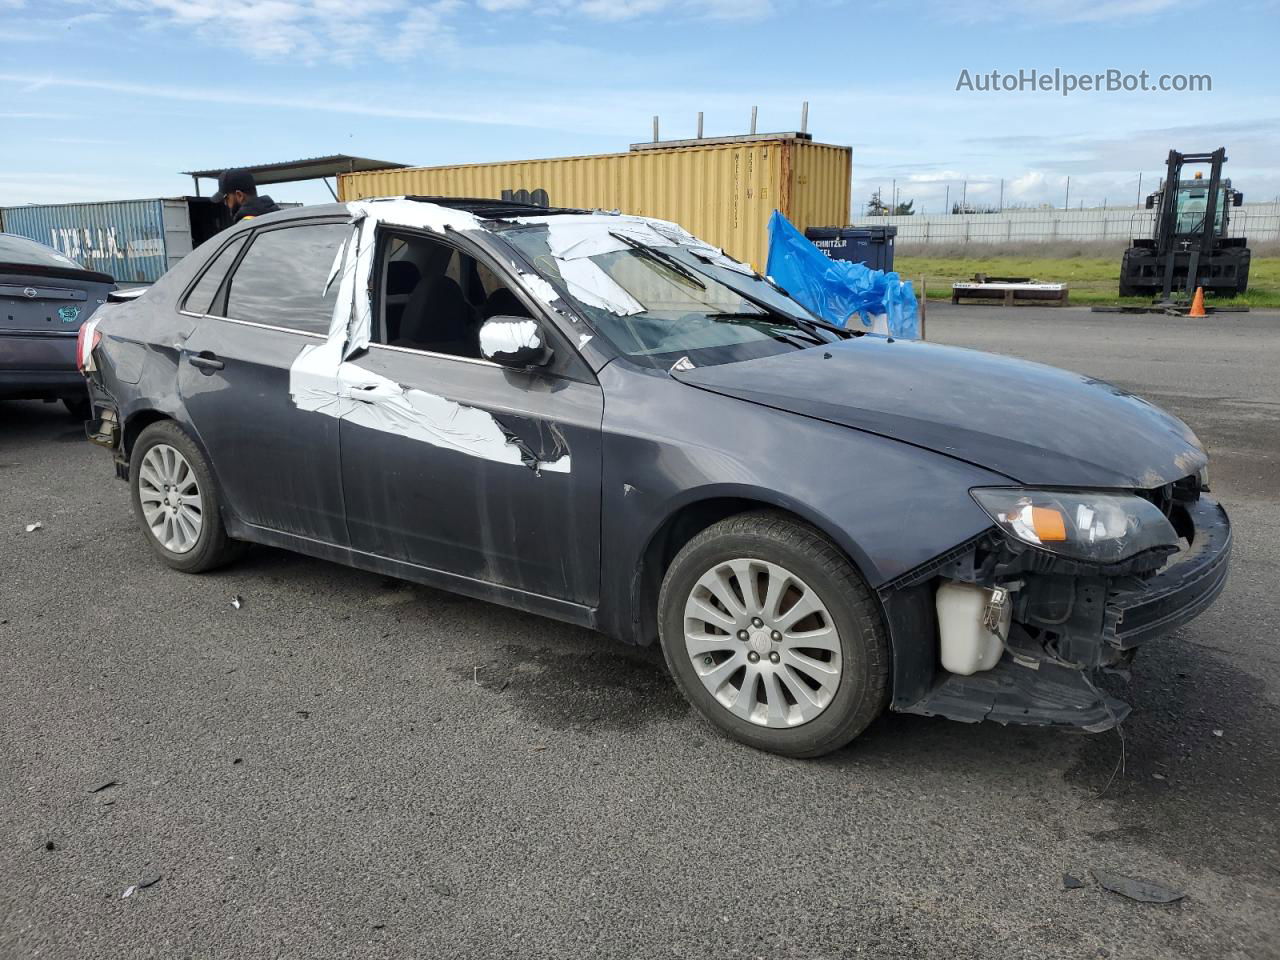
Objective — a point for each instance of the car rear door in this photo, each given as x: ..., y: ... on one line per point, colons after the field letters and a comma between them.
x: 454, y: 463
x: 277, y: 465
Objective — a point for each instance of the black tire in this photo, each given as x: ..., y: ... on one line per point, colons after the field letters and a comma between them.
x: 863, y: 687
x: 213, y: 548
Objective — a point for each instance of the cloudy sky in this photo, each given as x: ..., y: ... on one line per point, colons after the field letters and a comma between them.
x: 108, y: 99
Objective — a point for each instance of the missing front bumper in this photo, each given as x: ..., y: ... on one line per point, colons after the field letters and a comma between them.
x: 1011, y: 692
x: 1053, y: 684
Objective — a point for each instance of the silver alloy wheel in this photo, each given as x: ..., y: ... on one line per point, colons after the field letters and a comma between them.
x: 762, y: 642
x: 170, y: 498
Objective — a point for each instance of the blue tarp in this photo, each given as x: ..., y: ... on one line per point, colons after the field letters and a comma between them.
x: 840, y: 291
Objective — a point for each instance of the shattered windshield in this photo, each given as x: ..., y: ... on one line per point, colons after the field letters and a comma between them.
x: 659, y: 297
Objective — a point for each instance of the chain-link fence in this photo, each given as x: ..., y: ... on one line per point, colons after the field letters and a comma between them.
x: 1259, y: 222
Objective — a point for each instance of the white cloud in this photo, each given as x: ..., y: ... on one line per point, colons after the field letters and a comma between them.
x: 584, y: 115
x: 346, y: 30
x: 1064, y: 11
x: 635, y: 9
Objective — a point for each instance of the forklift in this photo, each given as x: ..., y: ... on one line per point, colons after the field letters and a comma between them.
x: 1189, y: 246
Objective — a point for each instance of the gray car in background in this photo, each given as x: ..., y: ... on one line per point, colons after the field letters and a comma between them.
x: 602, y: 419
x: 45, y: 298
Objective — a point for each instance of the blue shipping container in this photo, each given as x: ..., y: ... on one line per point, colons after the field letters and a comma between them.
x: 135, y: 241
x: 870, y: 245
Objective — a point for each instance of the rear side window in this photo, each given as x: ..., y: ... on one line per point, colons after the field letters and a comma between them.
x: 23, y: 252
x: 281, y: 280
x: 200, y: 299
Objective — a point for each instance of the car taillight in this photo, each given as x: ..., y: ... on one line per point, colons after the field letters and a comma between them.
x: 86, y: 340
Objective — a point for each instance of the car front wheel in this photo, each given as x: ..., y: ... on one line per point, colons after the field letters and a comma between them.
x: 773, y: 635
x: 176, y: 500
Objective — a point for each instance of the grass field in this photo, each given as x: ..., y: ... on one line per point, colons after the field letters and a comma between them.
x: 1091, y: 279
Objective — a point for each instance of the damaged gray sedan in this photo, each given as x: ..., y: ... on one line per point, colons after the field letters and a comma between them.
x: 601, y: 419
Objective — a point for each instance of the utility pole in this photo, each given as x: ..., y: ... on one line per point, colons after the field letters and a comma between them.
x: 964, y: 193
x: 1066, y: 204
x: 1002, y: 194
x: 946, y: 204
x: 893, y: 204
x: 1139, y: 189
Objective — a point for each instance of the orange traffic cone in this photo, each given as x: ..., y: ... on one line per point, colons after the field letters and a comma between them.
x: 1197, y: 303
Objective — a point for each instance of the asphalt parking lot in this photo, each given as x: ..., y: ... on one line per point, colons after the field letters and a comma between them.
x: 349, y: 766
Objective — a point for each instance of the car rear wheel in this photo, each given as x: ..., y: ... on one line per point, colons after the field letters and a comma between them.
x: 176, y: 500
x: 771, y: 633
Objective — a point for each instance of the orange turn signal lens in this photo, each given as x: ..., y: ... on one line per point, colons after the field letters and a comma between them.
x: 1050, y: 526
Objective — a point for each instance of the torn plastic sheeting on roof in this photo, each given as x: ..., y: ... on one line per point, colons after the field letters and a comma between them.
x: 320, y: 382
x: 415, y: 213
x: 590, y: 284
x: 574, y: 239
x: 677, y: 235
x: 717, y: 257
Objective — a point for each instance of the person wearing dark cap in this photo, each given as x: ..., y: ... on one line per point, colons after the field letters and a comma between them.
x: 238, y: 191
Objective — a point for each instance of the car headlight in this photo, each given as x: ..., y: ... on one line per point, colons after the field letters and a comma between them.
x: 1097, y: 527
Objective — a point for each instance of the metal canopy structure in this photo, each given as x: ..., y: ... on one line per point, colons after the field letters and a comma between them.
x: 290, y: 171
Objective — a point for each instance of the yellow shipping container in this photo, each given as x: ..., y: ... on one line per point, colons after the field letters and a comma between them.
x: 721, y: 190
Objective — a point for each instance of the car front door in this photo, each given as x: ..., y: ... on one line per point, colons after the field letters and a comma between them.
x: 456, y: 464
x: 277, y: 464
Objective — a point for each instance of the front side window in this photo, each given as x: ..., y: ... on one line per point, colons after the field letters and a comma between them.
x: 658, y: 304
x: 281, y: 280
x: 200, y: 299
x: 435, y: 297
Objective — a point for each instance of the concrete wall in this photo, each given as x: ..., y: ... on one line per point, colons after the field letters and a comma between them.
x: 1260, y: 222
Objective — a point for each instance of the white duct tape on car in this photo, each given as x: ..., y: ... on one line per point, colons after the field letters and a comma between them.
x: 541, y: 289
x: 323, y: 380
x: 340, y: 322
x: 322, y: 383
x: 354, y: 307
x: 362, y: 297
x: 497, y: 339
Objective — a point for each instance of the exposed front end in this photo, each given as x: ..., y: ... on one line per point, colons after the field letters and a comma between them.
x: 1023, y: 628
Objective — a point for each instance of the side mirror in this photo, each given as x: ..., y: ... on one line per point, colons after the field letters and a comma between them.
x: 1151, y: 200
x: 514, y: 342
x: 1237, y: 198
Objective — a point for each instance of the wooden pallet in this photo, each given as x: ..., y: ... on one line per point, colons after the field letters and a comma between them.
x: 1011, y: 292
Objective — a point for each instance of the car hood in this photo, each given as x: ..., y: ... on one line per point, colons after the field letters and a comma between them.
x: 1035, y: 424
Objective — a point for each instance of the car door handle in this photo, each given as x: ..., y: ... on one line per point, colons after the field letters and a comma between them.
x: 205, y: 361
